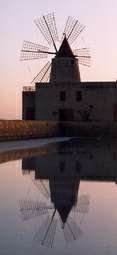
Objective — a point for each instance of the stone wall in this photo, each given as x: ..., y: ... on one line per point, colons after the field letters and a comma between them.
x: 28, y: 105
x: 98, y: 98
x: 20, y: 129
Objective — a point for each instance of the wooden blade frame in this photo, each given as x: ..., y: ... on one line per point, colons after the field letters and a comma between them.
x: 73, y: 29
x: 47, y: 27
x: 30, y: 209
x: 43, y: 75
x: 71, y: 230
x: 33, y: 51
x: 46, y: 232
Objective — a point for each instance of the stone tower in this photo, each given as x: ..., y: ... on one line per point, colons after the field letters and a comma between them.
x: 65, y: 66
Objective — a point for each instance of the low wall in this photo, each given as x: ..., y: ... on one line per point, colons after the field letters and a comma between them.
x: 24, y: 129
x: 21, y: 129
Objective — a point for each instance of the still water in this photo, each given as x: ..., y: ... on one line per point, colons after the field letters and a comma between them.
x: 59, y: 199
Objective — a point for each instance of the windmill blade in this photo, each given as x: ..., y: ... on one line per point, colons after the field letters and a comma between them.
x: 47, y: 27
x: 41, y: 187
x: 47, y: 192
x: 30, y: 209
x: 33, y: 51
x: 85, y: 61
x: 73, y: 29
x: 82, y: 52
x: 83, y: 204
x: 46, y: 232
x: 83, y: 55
x: 71, y: 230
x: 43, y: 75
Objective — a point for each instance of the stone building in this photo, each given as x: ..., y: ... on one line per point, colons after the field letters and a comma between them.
x: 66, y: 98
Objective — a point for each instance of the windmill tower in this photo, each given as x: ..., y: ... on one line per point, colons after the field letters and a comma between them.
x: 60, y: 210
x: 64, y: 67
x: 56, y: 175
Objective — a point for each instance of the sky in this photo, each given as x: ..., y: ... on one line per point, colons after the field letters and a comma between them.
x: 17, y: 24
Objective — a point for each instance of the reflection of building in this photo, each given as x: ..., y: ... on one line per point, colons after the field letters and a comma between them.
x: 65, y: 166
x: 63, y: 189
x: 64, y: 196
x: 63, y: 183
x: 72, y: 161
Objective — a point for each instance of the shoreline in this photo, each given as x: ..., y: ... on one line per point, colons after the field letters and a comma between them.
x: 27, y: 144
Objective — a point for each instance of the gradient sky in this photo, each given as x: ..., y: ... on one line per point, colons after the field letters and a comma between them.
x: 16, y: 19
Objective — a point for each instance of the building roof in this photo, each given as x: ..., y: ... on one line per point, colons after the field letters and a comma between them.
x: 65, y: 49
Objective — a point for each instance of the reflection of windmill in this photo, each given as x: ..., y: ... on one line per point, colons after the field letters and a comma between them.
x: 72, y: 31
x: 42, y: 187
x: 46, y: 233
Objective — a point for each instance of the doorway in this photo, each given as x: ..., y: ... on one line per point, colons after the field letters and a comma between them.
x: 66, y: 114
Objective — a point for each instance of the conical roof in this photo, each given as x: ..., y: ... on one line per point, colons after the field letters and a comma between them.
x: 64, y: 212
x: 65, y: 50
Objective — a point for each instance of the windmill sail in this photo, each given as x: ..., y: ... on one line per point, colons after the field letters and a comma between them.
x: 73, y: 29
x: 43, y: 75
x: 41, y: 187
x: 85, y: 61
x: 47, y: 26
x: 82, y: 52
x: 46, y: 232
x: 83, y: 55
x: 71, y: 230
x: 30, y: 209
x: 33, y: 51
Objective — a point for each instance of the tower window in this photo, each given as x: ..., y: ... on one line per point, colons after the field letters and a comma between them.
x: 62, y: 96
x: 78, y: 95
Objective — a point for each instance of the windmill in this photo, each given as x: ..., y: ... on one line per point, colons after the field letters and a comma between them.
x: 47, y: 26
x: 59, y: 210
x: 59, y: 185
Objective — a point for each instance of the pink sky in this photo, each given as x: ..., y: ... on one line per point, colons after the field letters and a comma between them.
x: 16, y: 19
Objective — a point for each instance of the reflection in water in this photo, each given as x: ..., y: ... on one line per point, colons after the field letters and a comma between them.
x: 62, y: 169
x: 58, y: 175
x: 64, y: 166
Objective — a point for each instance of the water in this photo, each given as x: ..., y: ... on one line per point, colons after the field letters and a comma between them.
x: 59, y: 199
